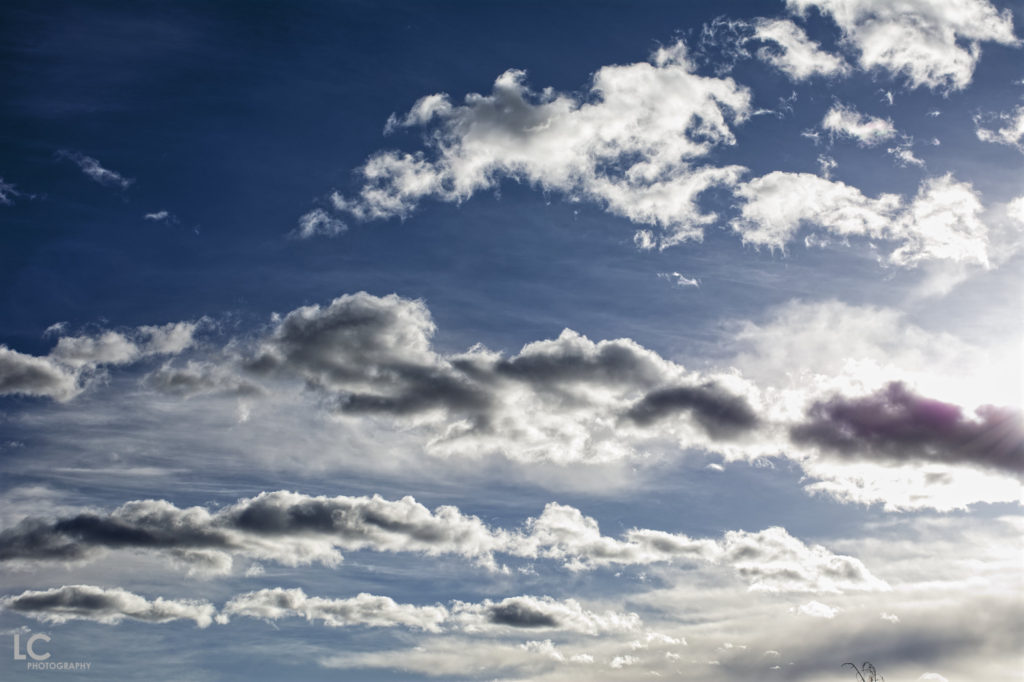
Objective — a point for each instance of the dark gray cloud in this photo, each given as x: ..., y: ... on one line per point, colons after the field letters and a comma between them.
x: 110, y: 606
x: 286, y: 527
x: 29, y: 375
x: 520, y: 615
x: 721, y: 413
x: 895, y: 424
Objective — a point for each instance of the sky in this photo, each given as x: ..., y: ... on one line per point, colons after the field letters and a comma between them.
x: 512, y: 340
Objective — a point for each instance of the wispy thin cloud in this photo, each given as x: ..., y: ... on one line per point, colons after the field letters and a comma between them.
x: 92, y: 168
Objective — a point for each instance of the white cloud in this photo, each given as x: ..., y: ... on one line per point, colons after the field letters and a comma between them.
x: 60, y: 374
x: 680, y: 279
x: 295, y: 530
x: 92, y: 168
x: 629, y: 144
x: 904, y: 155
x: 319, y: 222
x: 1012, y: 133
x: 942, y: 223
x: 157, y: 216
x: 815, y: 609
x: 796, y: 55
x: 363, y: 609
x: 108, y: 606
x: 845, y: 121
x: 931, y: 43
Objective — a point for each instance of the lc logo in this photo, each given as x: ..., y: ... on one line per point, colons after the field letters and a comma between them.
x: 30, y: 647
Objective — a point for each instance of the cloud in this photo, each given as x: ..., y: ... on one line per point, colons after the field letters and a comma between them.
x: 363, y: 609
x: 930, y: 44
x: 806, y: 354
x: 528, y: 613
x: 680, y: 279
x: 895, y: 424
x: 770, y: 560
x: 319, y: 222
x: 295, y: 530
x: 795, y: 54
x: 1011, y: 134
x: 557, y: 399
x: 288, y: 528
x: 845, y: 121
x: 630, y: 144
x: 22, y: 374
x: 61, y: 373
x: 815, y: 609
x: 719, y: 412
x: 92, y: 168
x: 108, y: 606
x: 201, y: 378
x: 7, y: 193
x: 903, y: 153
x: 942, y: 224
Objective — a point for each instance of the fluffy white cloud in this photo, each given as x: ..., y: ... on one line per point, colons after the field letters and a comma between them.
x: 363, y: 609
x: 845, y: 121
x: 60, y: 374
x: 931, y: 43
x: 630, y: 144
x: 1011, y: 133
x: 109, y: 606
x: 795, y: 54
x: 294, y: 530
x: 942, y: 223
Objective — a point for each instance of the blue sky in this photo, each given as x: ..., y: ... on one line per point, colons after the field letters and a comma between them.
x: 519, y: 341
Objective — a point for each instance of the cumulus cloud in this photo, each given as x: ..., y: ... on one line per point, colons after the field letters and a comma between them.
x: 540, y: 613
x: 845, y: 121
x: 294, y: 529
x: 319, y: 222
x: 108, y: 606
x: 92, y: 168
x: 564, y: 399
x: 22, y: 374
x: 895, y: 424
x: 1011, y: 133
x: 631, y: 143
x: 363, y: 609
x: 794, y: 53
x: 288, y: 528
x: 930, y: 44
x: 943, y: 223
x: 60, y: 374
